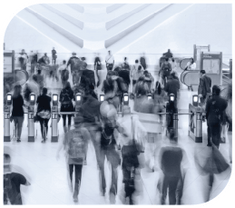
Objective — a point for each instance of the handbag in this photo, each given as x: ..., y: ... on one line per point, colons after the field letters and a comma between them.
x: 45, y: 114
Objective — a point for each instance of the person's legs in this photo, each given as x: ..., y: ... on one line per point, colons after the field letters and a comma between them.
x: 78, y: 177
x: 69, y: 121
x: 41, y: 125
x: 216, y: 134
x: 173, y: 182
x: 46, y: 125
x: 114, y: 159
x: 64, y: 122
x: 101, y: 172
x: 20, y: 126
x: 164, y: 190
x: 208, y: 135
x: 16, y: 127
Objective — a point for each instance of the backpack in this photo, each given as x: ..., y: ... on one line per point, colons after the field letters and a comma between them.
x: 76, y: 145
x: 77, y: 64
x: 65, y: 97
x: 65, y: 75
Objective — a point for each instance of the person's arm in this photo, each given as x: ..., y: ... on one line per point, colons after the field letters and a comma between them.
x: 61, y: 145
x: 23, y: 180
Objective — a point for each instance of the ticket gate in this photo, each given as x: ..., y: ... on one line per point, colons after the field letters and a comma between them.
x: 31, y: 128
x: 195, y: 120
x: 54, y: 118
x: 7, y: 108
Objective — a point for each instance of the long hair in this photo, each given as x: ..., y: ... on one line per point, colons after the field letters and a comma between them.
x: 17, y: 91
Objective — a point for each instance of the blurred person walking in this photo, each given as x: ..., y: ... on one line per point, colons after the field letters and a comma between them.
x: 109, y: 60
x: 75, y: 145
x: 66, y: 97
x: 215, y: 110
x: 17, y: 114
x: 44, y: 113
x: 204, y: 88
x: 11, y: 183
x: 173, y: 163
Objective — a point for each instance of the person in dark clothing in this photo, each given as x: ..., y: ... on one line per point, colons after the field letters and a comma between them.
x: 40, y: 80
x: 54, y: 56
x: 143, y: 62
x: 76, y: 66
x: 168, y: 54
x: 172, y: 86
x: 11, y: 184
x: 44, y: 112
x: 75, y: 143
x: 97, y: 68
x: 204, y: 88
x: 125, y: 64
x: 215, y: 109
x: 125, y: 75
x: 171, y: 158
x: 165, y: 71
x: 17, y: 111
x: 66, y: 97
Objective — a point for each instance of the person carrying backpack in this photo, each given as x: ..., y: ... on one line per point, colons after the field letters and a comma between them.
x: 66, y: 97
x: 165, y: 71
x: 76, y: 66
x: 75, y: 144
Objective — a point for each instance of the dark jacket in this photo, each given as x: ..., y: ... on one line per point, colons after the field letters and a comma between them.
x: 17, y: 103
x: 172, y: 86
x: 215, y: 109
x: 204, y: 85
x: 90, y: 109
x: 44, y: 103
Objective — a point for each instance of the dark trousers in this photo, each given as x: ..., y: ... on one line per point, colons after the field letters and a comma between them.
x: 64, y: 120
x: 215, y: 132
x: 44, y: 121
x: 78, y: 177
x: 114, y: 159
x: 109, y: 67
x: 18, y: 120
x: 174, y: 184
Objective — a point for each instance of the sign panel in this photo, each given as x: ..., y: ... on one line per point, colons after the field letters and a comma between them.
x: 211, y: 66
x: 7, y: 63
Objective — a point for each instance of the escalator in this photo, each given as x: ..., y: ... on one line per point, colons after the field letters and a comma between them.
x: 191, y: 78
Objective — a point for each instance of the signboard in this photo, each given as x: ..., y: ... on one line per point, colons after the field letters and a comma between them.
x: 211, y: 66
x: 7, y: 63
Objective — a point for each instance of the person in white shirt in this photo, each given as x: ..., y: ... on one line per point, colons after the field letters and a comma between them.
x: 109, y: 60
x: 191, y: 65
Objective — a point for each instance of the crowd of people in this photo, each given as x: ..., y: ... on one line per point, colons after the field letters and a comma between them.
x: 122, y: 140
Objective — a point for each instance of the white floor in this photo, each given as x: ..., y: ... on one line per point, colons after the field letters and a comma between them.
x: 48, y: 176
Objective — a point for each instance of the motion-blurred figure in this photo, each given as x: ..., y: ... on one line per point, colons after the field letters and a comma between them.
x: 23, y: 59
x: 54, y: 56
x: 204, y: 88
x: 215, y: 110
x: 44, y: 112
x: 191, y: 65
x: 132, y: 142
x: 172, y: 158
x: 66, y: 97
x: 17, y: 111
x: 11, y: 183
x: 75, y: 145
x: 168, y: 54
x: 109, y: 60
